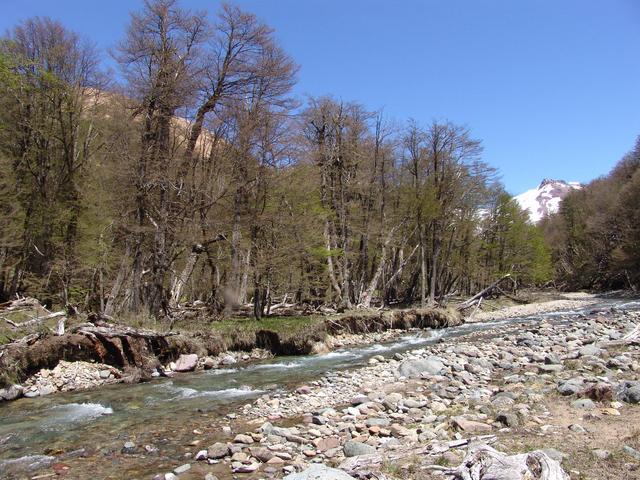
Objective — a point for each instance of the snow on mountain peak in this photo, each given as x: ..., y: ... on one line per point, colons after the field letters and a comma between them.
x: 545, y: 199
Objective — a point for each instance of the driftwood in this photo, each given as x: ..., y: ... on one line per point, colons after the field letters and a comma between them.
x: 633, y: 337
x: 19, y: 304
x: 117, y: 331
x: 357, y: 464
x: 478, y: 296
x: 36, y: 320
x: 483, y: 462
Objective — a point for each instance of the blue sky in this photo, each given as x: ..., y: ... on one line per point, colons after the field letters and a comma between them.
x: 551, y: 87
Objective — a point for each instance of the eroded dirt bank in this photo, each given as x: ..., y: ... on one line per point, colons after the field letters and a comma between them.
x: 138, y: 355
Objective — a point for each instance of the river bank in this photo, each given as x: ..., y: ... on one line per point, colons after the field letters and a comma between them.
x: 91, y: 355
x: 569, y: 388
x: 405, y: 406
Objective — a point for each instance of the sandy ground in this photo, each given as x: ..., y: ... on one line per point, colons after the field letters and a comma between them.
x: 571, y: 301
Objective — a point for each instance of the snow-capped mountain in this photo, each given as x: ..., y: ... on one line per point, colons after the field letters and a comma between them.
x: 545, y: 199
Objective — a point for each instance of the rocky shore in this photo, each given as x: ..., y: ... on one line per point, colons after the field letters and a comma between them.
x: 569, y: 389
x: 135, y: 355
x: 558, y: 396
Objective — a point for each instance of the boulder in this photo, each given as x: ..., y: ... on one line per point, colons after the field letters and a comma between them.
x: 583, y: 403
x: 243, y: 438
x: 508, y: 419
x: 182, y: 469
x: 416, y: 368
x: 11, y: 393
x: 629, y: 392
x: 128, y: 448
x: 261, y: 453
x: 218, y: 450
x: 228, y: 360
x: 186, y: 362
x: 571, y: 386
x: 319, y: 472
x: 590, y: 351
x: 471, y: 426
x: 326, y: 443
x: 353, y: 449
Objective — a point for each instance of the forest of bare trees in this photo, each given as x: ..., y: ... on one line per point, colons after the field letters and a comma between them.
x: 195, y: 174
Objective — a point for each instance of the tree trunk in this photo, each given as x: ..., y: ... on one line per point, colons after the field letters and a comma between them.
x: 423, y: 270
x: 181, y: 280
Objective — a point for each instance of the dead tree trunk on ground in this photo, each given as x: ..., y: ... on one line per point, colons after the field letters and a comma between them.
x: 481, y: 294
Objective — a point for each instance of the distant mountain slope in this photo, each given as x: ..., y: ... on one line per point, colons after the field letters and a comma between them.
x: 545, y: 199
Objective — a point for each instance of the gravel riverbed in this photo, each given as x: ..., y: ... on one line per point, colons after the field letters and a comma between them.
x: 567, y: 385
x: 410, y: 415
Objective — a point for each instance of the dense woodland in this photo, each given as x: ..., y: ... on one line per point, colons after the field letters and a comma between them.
x: 194, y: 174
x: 596, y: 234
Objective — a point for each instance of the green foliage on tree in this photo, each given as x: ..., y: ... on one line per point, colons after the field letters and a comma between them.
x: 596, y: 235
x: 193, y: 180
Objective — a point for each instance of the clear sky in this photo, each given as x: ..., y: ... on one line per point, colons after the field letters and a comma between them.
x: 551, y: 87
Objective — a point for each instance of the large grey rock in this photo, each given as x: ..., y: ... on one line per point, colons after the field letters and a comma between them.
x: 583, y: 403
x: 218, y: 450
x: 11, y: 393
x: 508, y: 419
x: 128, y: 448
x: 590, y: 351
x: 352, y: 449
x: 186, y: 362
x: 319, y: 472
x: 630, y: 392
x: 182, y: 469
x: 418, y: 367
x: 571, y: 386
x: 377, y: 422
x: 632, y: 452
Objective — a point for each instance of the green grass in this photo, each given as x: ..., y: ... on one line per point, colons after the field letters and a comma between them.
x: 9, y: 333
x: 285, y: 325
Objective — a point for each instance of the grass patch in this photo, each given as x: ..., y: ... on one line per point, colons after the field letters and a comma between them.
x: 280, y: 335
x: 284, y: 325
x: 392, y: 469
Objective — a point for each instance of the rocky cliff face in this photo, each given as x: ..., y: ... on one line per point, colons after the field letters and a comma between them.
x: 545, y: 198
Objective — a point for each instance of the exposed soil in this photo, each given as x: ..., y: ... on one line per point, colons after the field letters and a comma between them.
x: 141, y: 355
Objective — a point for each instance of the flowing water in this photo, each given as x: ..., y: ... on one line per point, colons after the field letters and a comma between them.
x: 166, y: 411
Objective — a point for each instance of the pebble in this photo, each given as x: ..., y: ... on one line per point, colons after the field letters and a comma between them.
x: 182, y: 469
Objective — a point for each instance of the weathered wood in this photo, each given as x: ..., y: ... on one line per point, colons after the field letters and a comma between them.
x: 36, y: 320
x: 483, y: 462
x: 60, y: 328
x: 468, y: 303
x: 359, y: 463
x: 633, y: 337
x: 118, y: 331
x: 19, y: 303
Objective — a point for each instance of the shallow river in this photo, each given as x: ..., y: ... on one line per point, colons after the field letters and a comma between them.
x: 165, y: 412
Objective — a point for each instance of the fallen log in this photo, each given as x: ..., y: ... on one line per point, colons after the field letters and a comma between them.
x: 36, y: 320
x: 468, y: 303
x: 356, y: 464
x: 633, y: 337
x: 118, y: 331
x: 483, y: 462
x: 19, y: 304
